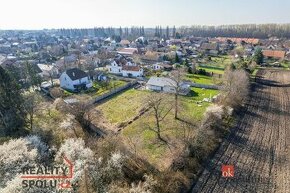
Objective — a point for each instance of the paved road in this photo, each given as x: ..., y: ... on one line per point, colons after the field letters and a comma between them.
x: 259, y: 146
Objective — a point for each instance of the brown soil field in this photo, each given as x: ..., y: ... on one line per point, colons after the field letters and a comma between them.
x: 259, y: 146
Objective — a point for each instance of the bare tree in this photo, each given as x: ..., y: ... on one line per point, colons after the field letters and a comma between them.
x: 82, y: 112
x: 134, y: 142
x: 189, y: 130
x: 193, y: 67
x: 79, y: 57
x: 56, y: 92
x: 176, y: 76
x: 51, y: 78
x: 31, y: 107
x: 235, y: 87
x: 160, y: 109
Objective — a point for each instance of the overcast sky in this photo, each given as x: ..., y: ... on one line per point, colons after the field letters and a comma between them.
x: 39, y: 14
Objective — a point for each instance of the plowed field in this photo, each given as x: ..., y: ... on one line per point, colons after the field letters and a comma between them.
x: 259, y: 146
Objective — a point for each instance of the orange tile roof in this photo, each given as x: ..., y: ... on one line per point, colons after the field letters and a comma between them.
x: 129, y: 51
x: 239, y: 40
x: 274, y: 53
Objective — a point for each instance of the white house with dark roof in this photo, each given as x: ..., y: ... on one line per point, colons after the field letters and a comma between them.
x: 75, y: 79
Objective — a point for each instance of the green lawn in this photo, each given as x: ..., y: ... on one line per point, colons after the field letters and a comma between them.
x: 159, y: 154
x: 123, y: 106
x: 103, y: 88
x: 220, y: 61
x: 253, y: 74
x: 189, y: 103
x: 127, y: 105
x: 200, y: 79
x: 286, y: 64
x: 214, y: 70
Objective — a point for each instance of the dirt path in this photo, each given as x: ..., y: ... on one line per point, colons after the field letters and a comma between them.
x: 259, y: 147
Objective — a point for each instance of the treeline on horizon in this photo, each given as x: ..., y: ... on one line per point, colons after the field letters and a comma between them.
x: 261, y: 31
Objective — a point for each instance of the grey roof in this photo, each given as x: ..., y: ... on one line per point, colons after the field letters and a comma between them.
x: 76, y: 73
x: 161, y: 81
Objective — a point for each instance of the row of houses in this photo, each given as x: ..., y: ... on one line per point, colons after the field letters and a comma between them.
x: 75, y: 80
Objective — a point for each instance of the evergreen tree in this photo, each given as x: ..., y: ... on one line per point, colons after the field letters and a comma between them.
x: 33, y: 79
x: 176, y: 58
x: 12, y: 115
x: 174, y: 32
x: 258, y: 56
x: 167, y: 32
x: 140, y: 31
x: 156, y: 31
x: 143, y: 31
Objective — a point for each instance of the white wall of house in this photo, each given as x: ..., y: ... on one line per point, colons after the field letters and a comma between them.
x: 156, y: 66
x: 67, y: 83
x: 154, y: 88
x: 131, y: 64
x: 132, y: 73
x: 114, y: 68
x: 168, y: 89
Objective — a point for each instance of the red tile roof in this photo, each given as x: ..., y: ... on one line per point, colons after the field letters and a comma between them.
x: 131, y: 68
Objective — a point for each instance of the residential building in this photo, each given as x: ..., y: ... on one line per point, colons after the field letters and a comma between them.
x: 128, y: 70
x: 276, y: 54
x: 115, y: 68
x: 132, y: 71
x: 48, y: 70
x: 75, y: 80
x: 128, y: 51
x: 166, y: 85
x: 210, y: 48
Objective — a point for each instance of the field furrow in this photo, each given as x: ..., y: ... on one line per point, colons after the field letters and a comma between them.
x: 258, y: 147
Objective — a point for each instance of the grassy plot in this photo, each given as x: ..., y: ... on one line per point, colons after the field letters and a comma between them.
x: 103, y: 87
x: 286, y: 64
x: 123, y: 106
x: 214, y: 70
x: 190, y: 105
x: 200, y: 79
x: 220, y: 61
x: 173, y: 130
x: 254, y: 73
